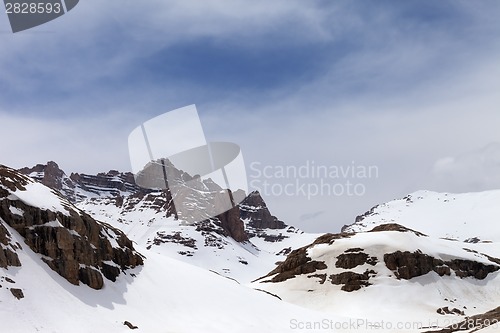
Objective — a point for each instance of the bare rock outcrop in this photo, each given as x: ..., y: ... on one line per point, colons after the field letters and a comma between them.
x: 407, y: 265
x: 473, y: 323
x: 395, y: 227
x: 232, y: 224
x: 296, y: 263
x: 351, y: 259
x: 352, y: 281
x: 8, y: 255
x: 17, y: 293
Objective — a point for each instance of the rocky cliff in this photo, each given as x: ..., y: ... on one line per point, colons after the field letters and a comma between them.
x: 69, y: 241
x: 254, y: 209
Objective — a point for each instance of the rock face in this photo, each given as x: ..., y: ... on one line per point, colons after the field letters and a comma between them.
x: 233, y: 225
x: 8, y: 255
x: 407, y: 265
x: 351, y: 259
x: 73, y: 244
x: 296, y: 263
x: 254, y: 209
x: 352, y: 281
x: 113, y: 182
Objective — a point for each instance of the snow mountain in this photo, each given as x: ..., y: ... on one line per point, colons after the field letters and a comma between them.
x: 469, y: 217
x: 242, y: 243
x: 105, y: 248
x: 428, y: 261
x: 63, y: 271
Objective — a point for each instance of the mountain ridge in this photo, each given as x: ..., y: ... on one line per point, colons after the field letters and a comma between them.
x: 411, y: 259
x: 243, y: 236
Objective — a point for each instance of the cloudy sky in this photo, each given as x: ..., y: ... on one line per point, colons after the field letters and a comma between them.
x: 409, y: 87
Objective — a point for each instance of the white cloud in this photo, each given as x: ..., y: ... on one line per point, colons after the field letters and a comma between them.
x: 475, y: 170
x: 403, y: 98
x: 83, y: 145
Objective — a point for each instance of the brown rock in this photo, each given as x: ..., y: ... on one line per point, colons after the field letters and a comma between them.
x: 295, y: 264
x: 446, y: 311
x: 352, y: 281
x: 233, y: 225
x: 90, y: 277
x: 17, y: 293
x: 7, y: 256
x: 395, y: 227
x: 351, y: 260
x: 407, y: 265
x: 129, y: 325
x: 473, y: 323
x: 467, y: 268
x: 330, y: 238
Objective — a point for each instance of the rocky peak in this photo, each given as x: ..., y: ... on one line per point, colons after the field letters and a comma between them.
x: 255, y: 210
x: 48, y: 174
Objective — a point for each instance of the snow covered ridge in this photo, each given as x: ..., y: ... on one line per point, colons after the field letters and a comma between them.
x: 32, y: 193
x: 242, y: 243
x: 393, y: 272
x: 69, y: 241
x: 163, y: 295
x: 469, y: 217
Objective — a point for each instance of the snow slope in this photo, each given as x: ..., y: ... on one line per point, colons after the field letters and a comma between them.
x: 145, y: 217
x: 209, y: 290
x: 165, y: 295
x: 387, y: 298
x: 457, y: 216
x: 151, y: 229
